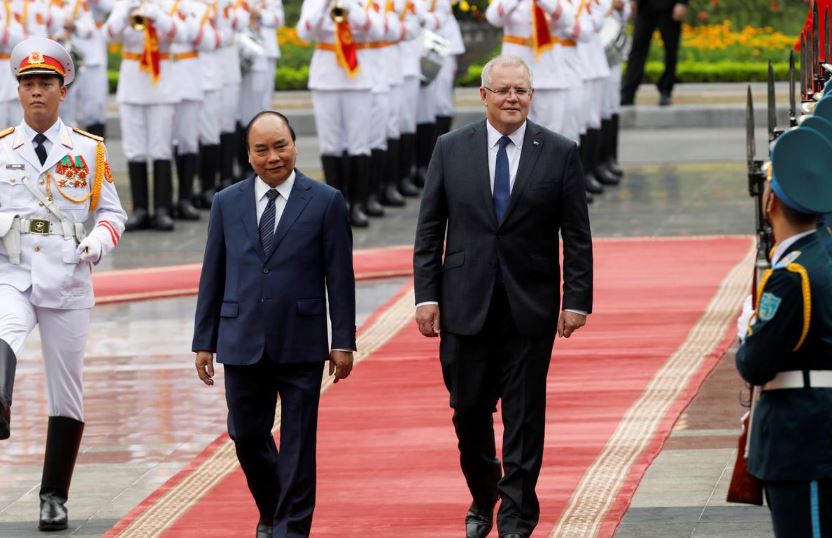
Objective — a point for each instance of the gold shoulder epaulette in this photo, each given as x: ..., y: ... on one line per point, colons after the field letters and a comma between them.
x: 88, y: 135
x: 6, y: 132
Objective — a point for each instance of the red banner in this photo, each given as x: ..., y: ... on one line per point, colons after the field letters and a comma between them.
x: 151, y: 58
x: 345, y: 48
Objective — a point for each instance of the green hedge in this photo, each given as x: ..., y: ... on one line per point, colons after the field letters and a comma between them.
x: 288, y: 78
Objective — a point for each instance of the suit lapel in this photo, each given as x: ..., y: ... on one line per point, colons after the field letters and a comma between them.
x: 479, y: 141
x: 295, y: 205
x: 248, y: 212
x: 532, y: 146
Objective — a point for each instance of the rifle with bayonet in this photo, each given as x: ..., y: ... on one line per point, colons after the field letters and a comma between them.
x: 744, y: 487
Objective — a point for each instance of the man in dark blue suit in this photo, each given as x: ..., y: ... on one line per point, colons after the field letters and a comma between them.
x: 279, y: 245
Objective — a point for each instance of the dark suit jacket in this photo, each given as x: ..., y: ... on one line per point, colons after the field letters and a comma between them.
x: 660, y: 5
x: 249, y: 304
x: 791, y: 437
x: 548, y: 198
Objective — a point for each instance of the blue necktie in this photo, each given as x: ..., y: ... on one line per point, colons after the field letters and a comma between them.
x: 267, y: 222
x: 502, y: 185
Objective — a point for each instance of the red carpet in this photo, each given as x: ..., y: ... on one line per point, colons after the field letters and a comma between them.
x: 387, y: 459
x: 179, y: 280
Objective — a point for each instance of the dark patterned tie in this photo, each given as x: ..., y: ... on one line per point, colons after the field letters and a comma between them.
x: 40, y: 149
x: 267, y: 222
x: 502, y: 185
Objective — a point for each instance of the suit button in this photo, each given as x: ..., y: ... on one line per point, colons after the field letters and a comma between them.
x: 265, y: 270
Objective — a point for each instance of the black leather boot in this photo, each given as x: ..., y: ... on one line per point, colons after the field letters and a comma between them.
x: 140, y: 219
x: 162, y: 195
x: 425, y: 139
x: 359, y: 183
x: 390, y: 195
x: 63, y: 438
x: 602, y: 173
x: 587, y: 154
x: 185, y: 172
x: 332, y: 172
x: 612, y: 162
x: 242, y: 153
x: 228, y: 152
x: 443, y: 125
x: 209, y: 158
x: 374, y: 207
x: 8, y: 365
x: 407, y: 156
x: 98, y: 129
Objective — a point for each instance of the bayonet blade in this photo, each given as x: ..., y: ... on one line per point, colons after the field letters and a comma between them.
x: 792, y: 97
x: 815, y: 46
x: 750, y: 142
x: 802, y: 66
x: 772, y: 105
x: 827, y: 38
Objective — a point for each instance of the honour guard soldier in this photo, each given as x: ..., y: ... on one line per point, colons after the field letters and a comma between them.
x: 11, y: 33
x: 210, y: 122
x: 188, y: 82
x: 258, y: 65
x: 341, y: 80
x: 787, y: 350
x: 146, y: 96
x: 231, y: 18
x: 608, y: 171
x: 91, y: 86
x: 51, y: 178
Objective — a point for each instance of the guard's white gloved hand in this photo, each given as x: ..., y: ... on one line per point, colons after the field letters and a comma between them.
x: 745, y: 319
x: 151, y: 11
x: 89, y: 250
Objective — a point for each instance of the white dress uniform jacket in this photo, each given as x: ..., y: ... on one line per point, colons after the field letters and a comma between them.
x: 48, y: 263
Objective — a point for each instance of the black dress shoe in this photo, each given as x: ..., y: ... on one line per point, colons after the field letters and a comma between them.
x: 5, y: 420
x: 53, y: 515
x: 665, y: 100
x: 264, y: 531
x: 358, y: 219
x: 477, y: 523
x: 373, y: 208
x: 391, y: 196
x: 589, y: 198
x: 605, y: 176
x: 139, y: 220
x: 408, y: 189
x: 613, y: 166
x: 185, y: 210
x: 592, y: 184
x: 162, y: 220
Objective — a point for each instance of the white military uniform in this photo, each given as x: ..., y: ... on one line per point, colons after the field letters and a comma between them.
x: 437, y: 18
x: 146, y: 106
x: 77, y: 12
x: 257, y: 85
x: 231, y: 18
x: 342, y: 103
x: 551, y: 87
x: 591, y: 53
x: 415, y: 15
x: 186, y: 74
x: 50, y: 286
x: 11, y: 33
x: 612, y: 87
x: 91, y: 87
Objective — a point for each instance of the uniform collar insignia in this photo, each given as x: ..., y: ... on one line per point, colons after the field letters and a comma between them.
x: 787, y: 259
x: 18, y: 140
x: 66, y: 140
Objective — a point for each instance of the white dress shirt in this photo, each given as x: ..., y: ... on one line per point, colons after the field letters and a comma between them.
x: 512, y: 152
x: 284, y: 189
x: 52, y: 134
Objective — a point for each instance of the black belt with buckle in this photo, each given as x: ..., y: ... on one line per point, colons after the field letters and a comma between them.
x: 39, y: 226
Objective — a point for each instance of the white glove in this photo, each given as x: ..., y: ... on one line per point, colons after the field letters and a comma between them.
x: 151, y: 12
x: 745, y: 319
x: 89, y: 250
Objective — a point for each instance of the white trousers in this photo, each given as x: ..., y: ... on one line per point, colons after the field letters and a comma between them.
x: 393, y: 120
x: 186, y: 126
x: 408, y: 105
x: 228, y: 112
x: 549, y: 109
x: 380, y: 117
x: 612, y: 93
x: 255, y: 91
x: 210, y: 123
x: 445, y: 87
x: 147, y: 131
x: 593, y: 102
x: 63, y: 336
x: 90, y: 91
x: 426, y: 110
x: 341, y: 121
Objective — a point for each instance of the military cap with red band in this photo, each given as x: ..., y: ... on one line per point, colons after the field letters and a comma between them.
x: 41, y: 56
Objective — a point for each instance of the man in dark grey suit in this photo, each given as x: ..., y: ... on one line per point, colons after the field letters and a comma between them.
x: 503, y: 189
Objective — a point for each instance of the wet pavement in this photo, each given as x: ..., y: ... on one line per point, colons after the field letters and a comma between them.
x: 147, y: 414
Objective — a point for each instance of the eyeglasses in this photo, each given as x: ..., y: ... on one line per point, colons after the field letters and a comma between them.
x: 503, y: 92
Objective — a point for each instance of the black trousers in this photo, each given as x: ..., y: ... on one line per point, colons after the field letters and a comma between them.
x: 647, y: 20
x: 500, y: 364
x: 800, y: 509
x: 282, y: 482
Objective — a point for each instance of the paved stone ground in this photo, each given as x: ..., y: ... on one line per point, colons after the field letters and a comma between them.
x: 148, y: 415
